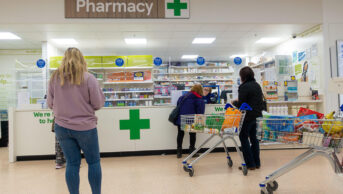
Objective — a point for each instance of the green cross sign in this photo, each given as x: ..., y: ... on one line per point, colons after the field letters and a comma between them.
x: 177, y: 6
x: 135, y: 124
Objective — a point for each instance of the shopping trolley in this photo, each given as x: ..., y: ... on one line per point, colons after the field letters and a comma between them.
x: 321, y: 137
x: 226, y: 126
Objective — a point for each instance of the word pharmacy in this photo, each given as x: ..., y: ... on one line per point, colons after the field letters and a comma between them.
x: 115, y: 7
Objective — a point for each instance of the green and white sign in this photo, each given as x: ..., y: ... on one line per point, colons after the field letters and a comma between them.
x: 177, y: 8
x: 134, y: 124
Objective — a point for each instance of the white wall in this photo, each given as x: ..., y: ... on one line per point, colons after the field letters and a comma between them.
x: 303, y: 44
x: 202, y: 11
x: 333, y: 30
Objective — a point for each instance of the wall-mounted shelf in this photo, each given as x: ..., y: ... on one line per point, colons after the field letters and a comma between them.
x: 126, y: 92
x: 128, y: 82
x: 133, y: 99
x: 158, y: 96
x: 193, y: 73
x: 295, y: 102
x: 113, y: 68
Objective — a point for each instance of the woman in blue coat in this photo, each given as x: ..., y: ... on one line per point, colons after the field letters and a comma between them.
x: 192, y: 103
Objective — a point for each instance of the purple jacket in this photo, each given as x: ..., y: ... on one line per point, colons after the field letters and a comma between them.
x: 193, y: 104
x: 74, y: 106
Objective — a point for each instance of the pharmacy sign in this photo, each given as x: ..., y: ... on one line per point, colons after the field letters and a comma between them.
x: 123, y: 9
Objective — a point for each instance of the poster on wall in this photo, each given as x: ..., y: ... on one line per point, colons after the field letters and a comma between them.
x: 340, y: 57
x: 295, y: 56
x: 306, y: 67
x: 6, y: 87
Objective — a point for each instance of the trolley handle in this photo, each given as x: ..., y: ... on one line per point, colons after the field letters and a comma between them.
x: 244, y: 106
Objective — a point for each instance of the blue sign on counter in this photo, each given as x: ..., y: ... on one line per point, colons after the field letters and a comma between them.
x: 40, y: 63
x: 201, y: 60
x: 119, y: 62
x: 158, y: 61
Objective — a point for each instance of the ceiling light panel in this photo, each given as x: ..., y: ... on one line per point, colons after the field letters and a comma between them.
x: 203, y: 40
x: 189, y: 56
x: 135, y: 41
x: 8, y: 36
x: 65, y: 41
x: 268, y: 40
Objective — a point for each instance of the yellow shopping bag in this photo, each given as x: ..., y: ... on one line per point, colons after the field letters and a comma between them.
x: 232, y: 118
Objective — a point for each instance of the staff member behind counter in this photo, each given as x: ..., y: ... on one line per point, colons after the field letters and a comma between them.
x: 208, y: 97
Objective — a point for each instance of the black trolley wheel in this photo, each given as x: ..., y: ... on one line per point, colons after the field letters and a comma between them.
x: 229, y: 162
x: 274, y: 187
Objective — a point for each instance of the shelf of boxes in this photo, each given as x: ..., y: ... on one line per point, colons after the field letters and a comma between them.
x: 128, y: 82
x: 132, y: 99
x: 203, y: 67
x: 159, y: 96
x: 126, y: 92
x: 195, y: 73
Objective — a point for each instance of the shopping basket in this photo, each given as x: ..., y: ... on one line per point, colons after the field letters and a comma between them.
x: 322, y: 136
x: 226, y: 126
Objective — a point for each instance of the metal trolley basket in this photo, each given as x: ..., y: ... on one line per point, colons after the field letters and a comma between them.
x: 322, y: 137
x: 224, y: 126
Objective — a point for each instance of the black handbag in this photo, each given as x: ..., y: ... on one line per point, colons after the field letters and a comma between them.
x: 174, y: 115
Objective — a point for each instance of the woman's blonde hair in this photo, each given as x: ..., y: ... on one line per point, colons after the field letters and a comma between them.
x: 72, y: 68
x: 198, y: 89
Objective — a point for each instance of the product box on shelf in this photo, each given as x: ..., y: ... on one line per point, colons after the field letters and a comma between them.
x: 270, y: 90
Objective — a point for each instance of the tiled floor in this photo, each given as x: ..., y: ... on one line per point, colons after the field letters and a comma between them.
x: 164, y: 174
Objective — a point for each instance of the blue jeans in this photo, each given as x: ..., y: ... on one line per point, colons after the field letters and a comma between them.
x: 251, y: 153
x: 72, y: 142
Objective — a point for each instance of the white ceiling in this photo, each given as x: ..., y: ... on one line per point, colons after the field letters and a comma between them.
x: 164, y: 40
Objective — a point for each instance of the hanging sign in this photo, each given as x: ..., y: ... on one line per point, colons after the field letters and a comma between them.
x: 158, y: 61
x: 127, y: 9
x: 119, y: 62
x: 238, y: 60
x: 201, y: 60
x: 40, y: 63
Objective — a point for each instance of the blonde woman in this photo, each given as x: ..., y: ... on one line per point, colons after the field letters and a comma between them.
x: 75, y: 95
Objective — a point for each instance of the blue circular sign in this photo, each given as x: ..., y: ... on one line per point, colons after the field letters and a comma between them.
x: 40, y: 63
x: 119, y: 62
x: 238, y: 60
x: 158, y: 61
x: 201, y: 60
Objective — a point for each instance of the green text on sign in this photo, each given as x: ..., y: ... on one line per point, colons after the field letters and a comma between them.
x: 135, y: 124
x: 177, y: 6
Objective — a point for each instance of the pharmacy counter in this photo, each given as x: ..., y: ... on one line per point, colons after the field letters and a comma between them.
x: 143, y: 130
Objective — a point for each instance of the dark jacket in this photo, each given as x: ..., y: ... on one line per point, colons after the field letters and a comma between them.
x: 193, y: 104
x: 207, y: 99
x: 250, y: 92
